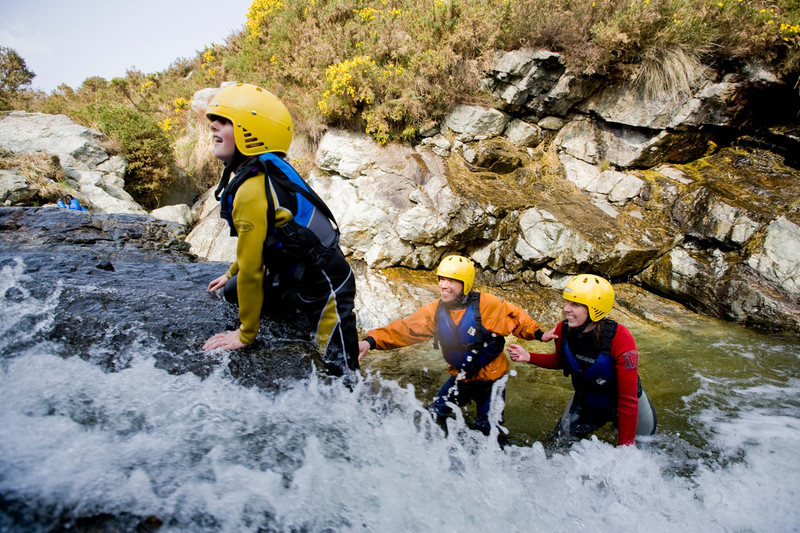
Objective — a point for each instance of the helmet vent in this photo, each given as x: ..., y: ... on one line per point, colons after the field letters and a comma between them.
x: 250, y: 141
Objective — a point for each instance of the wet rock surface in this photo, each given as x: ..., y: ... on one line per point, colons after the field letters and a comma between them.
x: 121, y: 284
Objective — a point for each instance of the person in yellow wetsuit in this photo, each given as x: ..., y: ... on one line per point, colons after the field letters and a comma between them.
x: 470, y: 327
x: 287, y: 254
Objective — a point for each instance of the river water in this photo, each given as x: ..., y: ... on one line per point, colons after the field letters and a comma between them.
x: 83, y: 447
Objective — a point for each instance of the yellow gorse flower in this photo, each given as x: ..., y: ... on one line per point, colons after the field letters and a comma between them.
x: 347, y: 79
x: 368, y: 14
x: 181, y: 104
x: 340, y: 75
x: 167, y: 124
x: 260, y: 10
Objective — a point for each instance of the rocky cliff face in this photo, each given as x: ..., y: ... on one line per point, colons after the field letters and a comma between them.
x: 565, y: 175
x: 92, y: 174
x: 693, y: 195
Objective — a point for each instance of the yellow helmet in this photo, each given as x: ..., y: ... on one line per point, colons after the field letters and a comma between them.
x: 592, y: 291
x: 458, y: 268
x: 261, y: 122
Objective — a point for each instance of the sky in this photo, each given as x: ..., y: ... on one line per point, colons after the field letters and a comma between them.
x: 68, y: 41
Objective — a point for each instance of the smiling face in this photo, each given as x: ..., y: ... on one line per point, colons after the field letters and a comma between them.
x: 575, y: 313
x: 223, y: 139
x: 450, y: 289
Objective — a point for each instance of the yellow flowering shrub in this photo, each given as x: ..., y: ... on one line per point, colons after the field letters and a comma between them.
x: 259, y: 13
x: 180, y: 104
x: 167, y: 123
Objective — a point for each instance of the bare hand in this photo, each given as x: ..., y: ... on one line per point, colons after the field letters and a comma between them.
x: 363, y: 348
x: 550, y: 335
x: 518, y: 353
x: 218, y: 283
x: 228, y: 340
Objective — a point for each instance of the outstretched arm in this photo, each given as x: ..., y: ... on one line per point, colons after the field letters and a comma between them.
x: 518, y: 353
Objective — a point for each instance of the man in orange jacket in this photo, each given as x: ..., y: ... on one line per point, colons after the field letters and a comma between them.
x: 470, y: 327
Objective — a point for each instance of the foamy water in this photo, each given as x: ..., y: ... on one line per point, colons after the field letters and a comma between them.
x: 212, y: 455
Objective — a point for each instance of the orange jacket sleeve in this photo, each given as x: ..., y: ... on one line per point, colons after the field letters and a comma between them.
x: 415, y: 328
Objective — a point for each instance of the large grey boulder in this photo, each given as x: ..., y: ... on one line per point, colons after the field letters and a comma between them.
x: 78, y: 147
x: 537, y: 82
x: 779, y: 260
x: 592, y: 141
x: 210, y: 237
x: 96, y: 177
x: 392, y: 202
x: 739, y: 256
x: 14, y: 188
x: 470, y: 123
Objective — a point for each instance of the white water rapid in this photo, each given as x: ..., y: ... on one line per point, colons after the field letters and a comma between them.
x: 208, y: 454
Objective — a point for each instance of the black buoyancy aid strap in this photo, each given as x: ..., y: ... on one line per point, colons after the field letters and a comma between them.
x: 609, y: 330
x: 223, y: 182
x: 309, y: 193
x: 473, y: 297
x: 317, y: 252
x: 226, y: 191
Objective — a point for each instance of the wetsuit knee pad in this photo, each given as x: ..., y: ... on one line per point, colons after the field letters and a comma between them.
x: 646, y: 421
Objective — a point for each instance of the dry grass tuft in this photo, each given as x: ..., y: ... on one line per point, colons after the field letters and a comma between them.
x: 42, y: 171
x: 667, y: 74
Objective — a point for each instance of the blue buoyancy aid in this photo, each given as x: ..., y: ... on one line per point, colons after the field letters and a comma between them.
x: 70, y: 202
x: 308, y: 239
x: 594, y: 377
x: 467, y: 345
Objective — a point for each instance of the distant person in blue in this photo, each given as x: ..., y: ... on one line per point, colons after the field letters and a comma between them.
x: 70, y: 202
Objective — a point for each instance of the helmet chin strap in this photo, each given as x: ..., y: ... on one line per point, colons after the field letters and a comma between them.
x: 236, y: 161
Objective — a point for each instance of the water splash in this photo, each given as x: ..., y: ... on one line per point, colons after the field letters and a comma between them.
x: 145, y: 447
x: 24, y: 317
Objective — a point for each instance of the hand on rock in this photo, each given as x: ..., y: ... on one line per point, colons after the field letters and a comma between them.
x: 228, y: 340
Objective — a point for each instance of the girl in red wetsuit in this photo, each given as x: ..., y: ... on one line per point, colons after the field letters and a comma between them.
x: 601, y: 358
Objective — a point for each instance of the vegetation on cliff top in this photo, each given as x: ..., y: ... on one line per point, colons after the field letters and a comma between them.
x: 393, y: 68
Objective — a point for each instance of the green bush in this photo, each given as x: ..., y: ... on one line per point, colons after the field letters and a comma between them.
x: 150, y: 169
